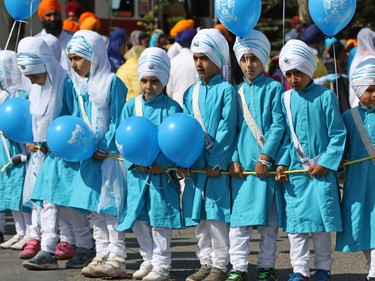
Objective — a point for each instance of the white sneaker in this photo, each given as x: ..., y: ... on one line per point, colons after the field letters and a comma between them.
x: 113, y: 267
x: 20, y: 244
x: 157, y: 274
x: 11, y: 241
x: 89, y: 270
x: 143, y: 270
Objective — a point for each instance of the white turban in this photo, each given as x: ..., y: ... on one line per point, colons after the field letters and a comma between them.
x: 213, y: 44
x: 255, y: 43
x: 297, y: 55
x: 155, y: 62
x: 363, y: 76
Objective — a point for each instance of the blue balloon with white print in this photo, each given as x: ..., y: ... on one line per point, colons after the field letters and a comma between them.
x: 238, y: 16
x: 71, y: 139
x: 137, y: 140
x: 16, y: 120
x: 331, y: 16
x: 21, y: 9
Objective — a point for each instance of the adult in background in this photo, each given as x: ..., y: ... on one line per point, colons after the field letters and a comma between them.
x: 116, y: 49
x: 180, y: 26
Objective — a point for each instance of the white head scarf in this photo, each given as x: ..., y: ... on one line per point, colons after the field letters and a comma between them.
x: 363, y: 76
x: 91, y: 46
x: 53, y: 44
x: 297, y: 55
x: 11, y: 79
x: 154, y: 61
x: 213, y: 44
x: 255, y: 43
x: 35, y: 57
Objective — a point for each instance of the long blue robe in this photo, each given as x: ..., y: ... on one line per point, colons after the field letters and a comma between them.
x: 312, y: 204
x: 358, y: 203
x: 78, y: 184
x: 152, y: 198
x: 11, y: 181
x: 252, y: 196
x: 207, y: 198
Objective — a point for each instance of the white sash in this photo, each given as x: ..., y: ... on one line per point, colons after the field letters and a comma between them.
x: 363, y: 133
x: 257, y: 133
x: 138, y: 106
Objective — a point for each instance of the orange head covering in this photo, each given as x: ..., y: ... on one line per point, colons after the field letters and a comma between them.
x: 70, y: 25
x: 181, y: 26
x: 90, y: 23
x: 48, y: 5
x: 86, y: 15
x: 224, y: 31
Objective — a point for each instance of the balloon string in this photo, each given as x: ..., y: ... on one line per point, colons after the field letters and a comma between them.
x: 18, y: 35
x: 31, y: 20
x: 334, y: 62
x: 10, y: 35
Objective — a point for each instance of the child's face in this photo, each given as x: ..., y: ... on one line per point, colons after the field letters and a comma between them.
x: 205, y: 67
x: 39, y: 79
x: 80, y: 65
x: 368, y: 98
x: 151, y: 87
x: 251, y: 66
x: 297, y: 79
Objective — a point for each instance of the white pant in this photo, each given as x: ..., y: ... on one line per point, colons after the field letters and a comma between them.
x: 240, y: 248
x: 108, y: 240
x: 22, y: 221
x: 2, y: 222
x: 300, y: 251
x: 34, y: 228
x: 154, y: 244
x: 213, y: 243
x: 370, y: 257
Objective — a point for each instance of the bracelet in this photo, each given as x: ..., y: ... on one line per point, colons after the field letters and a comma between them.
x: 265, y: 162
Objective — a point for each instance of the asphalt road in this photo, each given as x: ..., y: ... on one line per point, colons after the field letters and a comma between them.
x: 347, y: 267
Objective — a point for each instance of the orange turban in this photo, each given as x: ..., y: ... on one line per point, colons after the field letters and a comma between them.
x: 86, y: 15
x: 181, y: 26
x: 48, y: 5
x: 224, y: 31
x: 70, y: 25
x: 90, y: 23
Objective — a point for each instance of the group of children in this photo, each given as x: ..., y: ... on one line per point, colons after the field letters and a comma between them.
x: 255, y: 127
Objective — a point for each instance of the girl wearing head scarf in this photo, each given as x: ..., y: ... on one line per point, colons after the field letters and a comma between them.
x: 97, y: 96
x: 128, y: 71
x: 13, y: 155
x: 36, y: 61
x: 117, y: 48
x: 213, y: 102
x: 314, y: 142
x: 159, y: 39
x: 152, y: 197
x: 365, y: 49
x: 358, y: 203
x: 261, y: 127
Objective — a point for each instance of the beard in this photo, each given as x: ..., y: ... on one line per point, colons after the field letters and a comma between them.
x: 53, y: 27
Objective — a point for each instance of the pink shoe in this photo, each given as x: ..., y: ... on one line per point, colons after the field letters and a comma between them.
x: 30, y: 250
x: 65, y: 251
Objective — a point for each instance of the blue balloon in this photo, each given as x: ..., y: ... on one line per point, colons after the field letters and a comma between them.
x: 137, y: 140
x: 16, y: 120
x: 238, y: 16
x: 331, y: 16
x: 20, y: 9
x: 71, y: 139
x: 181, y: 139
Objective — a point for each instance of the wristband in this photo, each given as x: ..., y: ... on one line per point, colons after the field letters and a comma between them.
x: 265, y: 162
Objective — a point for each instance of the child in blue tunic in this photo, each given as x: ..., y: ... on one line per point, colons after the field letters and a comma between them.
x: 152, y: 208
x: 13, y: 156
x: 314, y: 141
x: 358, y: 203
x: 261, y: 128
x: 206, y: 197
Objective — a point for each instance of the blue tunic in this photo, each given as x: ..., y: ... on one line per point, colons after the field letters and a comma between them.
x: 207, y: 198
x: 78, y: 184
x: 312, y: 204
x: 252, y: 196
x: 11, y: 181
x: 152, y: 198
x: 358, y: 203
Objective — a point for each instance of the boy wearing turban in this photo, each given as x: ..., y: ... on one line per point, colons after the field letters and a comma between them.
x: 152, y: 197
x: 255, y: 199
x: 213, y: 102
x: 315, y: 142
x: 358, y: 203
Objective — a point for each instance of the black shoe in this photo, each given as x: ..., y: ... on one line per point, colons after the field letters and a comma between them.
x: 266, y: 274
x: 1, y: 237
x: 235, y: 275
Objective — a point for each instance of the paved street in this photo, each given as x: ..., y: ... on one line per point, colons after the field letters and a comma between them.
x: 347, y: 267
